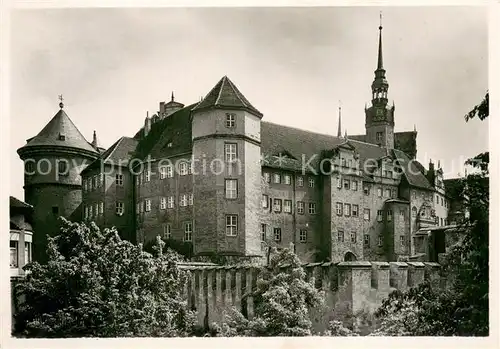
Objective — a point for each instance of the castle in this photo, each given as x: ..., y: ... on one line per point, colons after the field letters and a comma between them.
x: 214, y: 174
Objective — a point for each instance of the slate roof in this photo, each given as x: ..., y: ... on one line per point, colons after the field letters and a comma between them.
x: 13, y: 202
x: 404, y: 141
x: 119, y: 154
x: 60, y: 124
x: 412, y: 171
x: 226, y: 95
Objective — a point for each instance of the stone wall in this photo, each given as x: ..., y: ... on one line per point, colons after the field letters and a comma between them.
x: 350, y: 287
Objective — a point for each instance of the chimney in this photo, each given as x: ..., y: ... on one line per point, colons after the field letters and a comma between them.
x: 147, y: 124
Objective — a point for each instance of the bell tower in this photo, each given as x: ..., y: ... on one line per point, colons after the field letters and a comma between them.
x: 379, y: 122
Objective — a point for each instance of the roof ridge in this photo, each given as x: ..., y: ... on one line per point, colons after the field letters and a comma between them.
x: 224, y: 78
x: 237, y: 93
x: 114, y: 148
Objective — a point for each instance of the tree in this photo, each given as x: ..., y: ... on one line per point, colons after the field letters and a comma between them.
x: 96, y: 284
x: 281, y: 301
x: 463, y: 309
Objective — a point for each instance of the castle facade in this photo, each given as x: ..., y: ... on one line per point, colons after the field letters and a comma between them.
x: 216, y: 175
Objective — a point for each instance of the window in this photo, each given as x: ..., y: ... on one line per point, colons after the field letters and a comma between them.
x: 303, y: 235
x: 311, y: 182
x: 366, y: 214
x: 147, y: 176
x: 437, y: 199
x: 287, y: 208
x: 343, y: 162
x: 263, y: 230
x: 190, y: 199
x: 394, y: 194
x: 442, y: 202
x: 101, y: 208
x: 170, y: 171
x: 163, y: 172
x: 141, y: 207
x: 183, y: 168
x: 379, y: 192
x: 277, y: 178
x: 366, y: 240
x: 312, y: 208
x: 183, y: 200
x: 97, y: 209
x: 366, y: 190
x: 230, y: 120
x: 277, y: 205
x: 62, y: 167
x: 339, y: 208
x: 231, y: 224
x: 354, y: 237
x: 354, y: 185
x: 414, y: 211
x: 422, y: 213
x: 230, y: 152
x: 147, y: 205
x: 137, y: 207
x: 167, y: 233
x: 188, y: 231
x: 163, y: 203
x: 13, y: 254
x: 287, y: 179
x: 30, y: 167
x: 389, y: 215
x: 442, y: 222
x: 277, y: 234
x: 300, y: 181
x: 62, y: 137
x: 300, y: 207
x: 141, y: 178
x: 90, y: 211
x: 347, y: 210
x: 347, y: 184
x: 86, y: 212
x: 340, y: 236
x: 27, y: 252
x: 380, y: 241
x: 402, y: 240
x: 414, y: 194
x: 379, y: 136
x: 355, y: 210
x: 265, y: 201
x: 267, y: 177
x: 380, y: 215
x: 190, y: 167
x: 120, y: 207
x: 389, y: 174
x: 84, y: 182
x: 170, y: 202
x: 231, y: 188
x: 339, y: 182
x: 402, y: 214
x: 349, y: 163
x: 94, y: 182
x: 55, y: 210
x: 387, y: 193
x: 119, y: 180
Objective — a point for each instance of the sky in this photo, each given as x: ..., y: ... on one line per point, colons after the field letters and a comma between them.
x: 293, y: 64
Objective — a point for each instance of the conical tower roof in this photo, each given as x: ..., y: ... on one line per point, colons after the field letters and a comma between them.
x: 225, y: 95
x: 60, y: 132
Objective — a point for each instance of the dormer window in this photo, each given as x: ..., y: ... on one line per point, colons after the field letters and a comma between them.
x: 62, y: 137
x: 230, y: 120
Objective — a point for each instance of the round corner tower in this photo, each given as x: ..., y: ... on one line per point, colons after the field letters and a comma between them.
x: 53, y: 160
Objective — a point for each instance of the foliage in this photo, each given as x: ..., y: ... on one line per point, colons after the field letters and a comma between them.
x: 183, y: 248
x: 337, y: 329
x: 463, y: 309
x: 96, y: 284
x: 482, y: 110
x: 281, y: 301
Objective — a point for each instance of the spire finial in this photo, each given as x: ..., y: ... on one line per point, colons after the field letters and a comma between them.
x: 172, y: 96
x: 339, y: 131
x: 414, y: 128
x: 439, y: 163
x: 94, y: 140
x: 380, y: 63
x: 345, y: 134
x: 61, y: 104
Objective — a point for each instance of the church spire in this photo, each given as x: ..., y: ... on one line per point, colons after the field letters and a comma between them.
x: 380, y: 63
x: 172, y: 99
x: 339, y: 132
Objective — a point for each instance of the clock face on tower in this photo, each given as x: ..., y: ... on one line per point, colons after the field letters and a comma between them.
x: 379, y: 114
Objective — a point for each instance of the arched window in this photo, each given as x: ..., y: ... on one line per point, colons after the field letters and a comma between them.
x: 414, y: 211
x: 350, y: 257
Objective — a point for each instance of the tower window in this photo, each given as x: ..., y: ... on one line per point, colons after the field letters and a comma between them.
x: 230, y: 152
x: 340, y: 236
x: 312, y: 208
x: 119, y: 180
x: 230, y: 120
x: 311, y: 182
x: 231, y: 188
x: 367, y: 240
x: 231, y: 224
x: 379, y: 136
x: 120, y: 207
x: 62, y: 137
x: 188, y: 231
x: 354, y: 237
x: 347, y: 210
x: 62, y: 167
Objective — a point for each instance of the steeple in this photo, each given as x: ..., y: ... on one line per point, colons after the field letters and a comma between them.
x: 380, y: 84
x: 172, y: 99
x: 94, y: 143
x: 339, y: 131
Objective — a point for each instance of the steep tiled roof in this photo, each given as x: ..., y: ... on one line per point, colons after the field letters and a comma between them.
x: 119, y: 154
x: 405, y: 141
x: 412, y: 171
x: 226, y: 95
x: 174, y: 129
x: 60, y: 124
x: 13, y: 202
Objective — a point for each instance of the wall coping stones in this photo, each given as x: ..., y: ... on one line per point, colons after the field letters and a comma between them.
x: 355, y: 265
x: 381, y: 265
x: 432, y: 264
x: 416, y: 264
x: 401, y: 265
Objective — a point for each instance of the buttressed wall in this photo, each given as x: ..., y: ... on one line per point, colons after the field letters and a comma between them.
x: 350, y: 287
